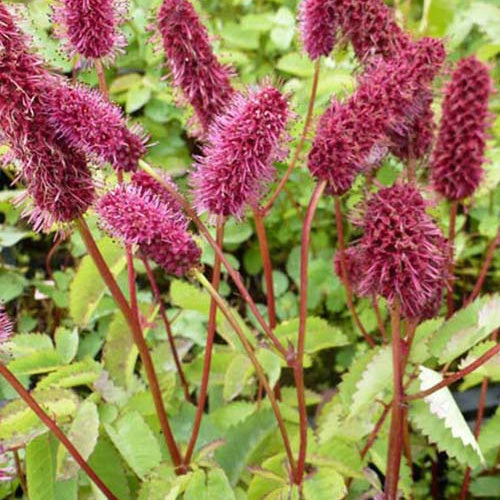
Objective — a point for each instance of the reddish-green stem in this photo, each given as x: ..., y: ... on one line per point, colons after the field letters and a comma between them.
x: 396, y: 431
x: 484, y: 269
x: 345, y: 274
x: 235, y: 275
x: 138, y: 337
x: 168, y: 327
x: 267, y: 265
x: 373, y: 435
x: 103, y: 86
x: 458, y: 375
x: 451, y: 241
x: 20, y: 472
x: 207, y: 363
x: 298, y: 368
x: 226, y: 311
x: 300, y: 145
x: 53, y: 427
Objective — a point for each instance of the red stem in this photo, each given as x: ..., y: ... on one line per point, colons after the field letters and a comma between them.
x: 235, y: 275
x: 298, y: 368
x: 396, y: 432
x: 103, y: 86
x: 375, y: 431
x: 484, y: 270
x: 207, y: 363
x: 58, y: 433
x: 456, y: 376
x: 138, y: 337
x: 302, y: 140
x: 168, y: 327
x: 451, y: 241
x: 267, y: 265
x: 345, y: 274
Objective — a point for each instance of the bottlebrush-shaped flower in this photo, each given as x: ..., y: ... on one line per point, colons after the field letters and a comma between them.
x: 90, y: 27
x: 458, y: 157
x: 5, y: 326
x: 403, y: 253
x: 194, y: 68
x: 318, y: 25
x: 56, y: 175
x: 86, y: 120
x: 137, y: 216
x: 236, y: 165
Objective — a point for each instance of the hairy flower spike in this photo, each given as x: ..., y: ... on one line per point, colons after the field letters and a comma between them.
x: 402, y: 252
x: 458, y: 157
x: 195, y: 69
x: 89, y: 122
x: 5, y: 326
x: 237, y: 163
x: 136, y: 215
x: 318, y: 24
x: 90, y: 27
x: 144, y: 181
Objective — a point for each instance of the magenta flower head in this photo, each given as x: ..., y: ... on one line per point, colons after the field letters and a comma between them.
x: 458, y: 157
x: 403, y: 253
x: 87, y: 121
x: 56, y: 175
x: 138, y: 216
x: 236, y: 165
x: 5, y: 326
x: 354, y: 266
x: 195, y: 70
x: 89, y: 28
x: 318, y: 26
x: 145, y: 182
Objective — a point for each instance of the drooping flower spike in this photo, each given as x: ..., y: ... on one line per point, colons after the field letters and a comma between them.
x: 203, y: 80
x: 236, y: 165
x: 402, y: 254
x: 136, y: 215
x: 457, y: 160
x: 87, y: 121
x: 318, y: 25
x: 56, y: 175
x: 90, y: 28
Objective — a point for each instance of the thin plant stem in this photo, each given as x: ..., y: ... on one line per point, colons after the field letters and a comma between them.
x: 103, y: 86
x: 168, y: 327
x: 267, y: 265
x: 20, y: 472
x: 50, y: 256
x: 373, y: 435
x: 298, y: 368
x: 345, y: 274
x: 226, y: 311
x: 451, y: 241
x: 456, y: 376
x: 484, y: 269
x: 235, y: 275
x: 380, y: 320
x: 54, y: 428
x: 396, y: 430
x: 477, y: 431
x: 138, y: 337
x: 300, y: 145
x: 207, y: 363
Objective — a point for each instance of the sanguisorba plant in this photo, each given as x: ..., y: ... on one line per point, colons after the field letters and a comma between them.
x: 62, y: 138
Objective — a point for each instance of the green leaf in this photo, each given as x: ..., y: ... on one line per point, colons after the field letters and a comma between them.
x: 187, y: 296
x: 339, y: 454
x: 296, y: 65
x: 159, y: 485
x: 439, y: 418
x: 9, y: 236
x: 40, y: 472
x: 23, y: 344
x: 325, y: 484
x: 466, y: 328
x: 208, y: 486
x: 136, y: 443
x: 83, y: 435
x: 18, y: 423
x: 37, y: 362
x: 66, y: 343
x: 319, y: 334
x: 489, y: 439
x: 11, y: 285
x: 87, y: 287
x: 236, y: 376
x: 84, y: 372
x: 241, y: 442
x: 137, y: 97
x: 490, y: 369
x: 485, y: 487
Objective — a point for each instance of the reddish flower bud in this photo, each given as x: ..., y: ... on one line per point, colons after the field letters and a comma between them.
x: 318, y: 24
x: 403, y: 253
x: 237, y: 163
x: 5, y: 326
x: 91, y: 123
x: 195, y: 69
x: 90, y: 27
x: 458, y: 157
